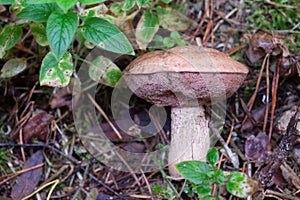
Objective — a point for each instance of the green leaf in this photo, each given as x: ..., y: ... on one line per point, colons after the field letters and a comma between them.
x: 56, y: 73
x: 141, y: 3
x: 105, y: 35
x: 104, y: 71
x: 7, y: 1
x: 13, y: 67
x: 212, y: 156
x: 65, y: 5
x: 128, y: 4
x: 203, y: 189
x: 219, y: 176
x: 194, y: 170
x: 37, y: 1
x: 9, y: 36
x: 157, y: 189
x: 167, y: 42
x: 91, y: 1
x: 39, y: 33
x: 116, y: 8
x: 60, y: 31
x: 240, y: 185
x: 37, y: 12
x: 176, y: 36
x: 146, y: 29
x: 209, y: 197
x: 166, y: 1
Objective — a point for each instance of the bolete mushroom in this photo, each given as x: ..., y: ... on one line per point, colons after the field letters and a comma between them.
x: 185, y: 78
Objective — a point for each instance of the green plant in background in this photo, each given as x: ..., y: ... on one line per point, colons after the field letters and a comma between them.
x: 167, y: 42
x: 155, y: 14
x: 202, y: 176
x: 54, y: 23
x: 57, y: 24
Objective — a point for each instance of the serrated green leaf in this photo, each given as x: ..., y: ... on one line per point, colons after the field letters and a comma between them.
x: 7, y: 1
x: 194, y: 170
x: 37, y: 12
x: 60, y: 31
x: 105, y: 35
x: 104, y: 71
x: 128, y: 4
x: 212, y: 156
x: 39, y: 33
x: 13, y: 67
x: 54, y: 72
x: 91, y: 1
x: 65, y: 5
x: 146, y: 29
x: 9, y: 36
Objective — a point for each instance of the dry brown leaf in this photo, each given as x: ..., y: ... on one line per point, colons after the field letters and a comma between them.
x: 256, y: 147
x: 290, y: 176
x: 27, y: 182
x: 262, y: 43
x: 62, y: 97
x: 37, y: 127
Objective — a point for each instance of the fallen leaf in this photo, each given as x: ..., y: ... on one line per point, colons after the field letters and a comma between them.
x: 26, y: 183
x: 296, y: 154
x: 290, y: 176
x: 13, y: 67
x: 262, y: 43
x: 62, y: 97
x: 256, y: 147
x: 257, y: 116
x: 37, y: 127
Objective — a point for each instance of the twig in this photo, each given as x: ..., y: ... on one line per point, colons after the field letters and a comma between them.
x: 224, y: 18
x: 271, y: 193
x: 232, y: 156
x: 147, y: 183
x: 253, y: 97
x: 278, y: 5
x: 274, y: 98
x: 10, y: 176
x: 75, y: 161
x: 267, y: 95
x: 105, y: 116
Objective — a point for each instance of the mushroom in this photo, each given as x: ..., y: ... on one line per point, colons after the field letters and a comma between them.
x: 185, y: 78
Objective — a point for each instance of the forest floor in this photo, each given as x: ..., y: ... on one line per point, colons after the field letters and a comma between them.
x: 43, y: 144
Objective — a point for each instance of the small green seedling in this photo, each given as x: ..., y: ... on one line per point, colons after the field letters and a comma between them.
x: 202, y: 176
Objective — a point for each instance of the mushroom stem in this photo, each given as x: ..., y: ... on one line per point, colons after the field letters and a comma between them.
x: 190, y: 136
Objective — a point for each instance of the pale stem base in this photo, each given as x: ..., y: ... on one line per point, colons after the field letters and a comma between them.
x: 189, y: 136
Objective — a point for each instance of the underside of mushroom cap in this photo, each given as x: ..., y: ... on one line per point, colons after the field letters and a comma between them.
x: 184, y: 76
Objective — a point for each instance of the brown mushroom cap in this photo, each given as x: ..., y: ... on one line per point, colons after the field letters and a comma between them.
x: 180, y: 75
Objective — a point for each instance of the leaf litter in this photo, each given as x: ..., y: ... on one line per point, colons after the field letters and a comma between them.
x: 273, y: 158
